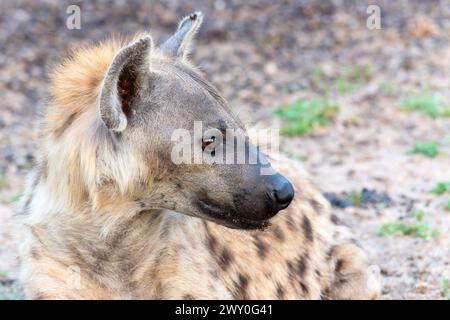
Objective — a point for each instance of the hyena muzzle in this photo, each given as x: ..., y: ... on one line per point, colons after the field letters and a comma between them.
x: 108, y: 213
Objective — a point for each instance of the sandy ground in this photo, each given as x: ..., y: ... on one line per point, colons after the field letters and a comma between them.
x: 262, y: 55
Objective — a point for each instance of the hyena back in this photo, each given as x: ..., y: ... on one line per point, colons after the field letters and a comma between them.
x: 108, y: 215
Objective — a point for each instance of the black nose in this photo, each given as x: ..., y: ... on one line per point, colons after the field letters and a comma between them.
x: 281, y: 190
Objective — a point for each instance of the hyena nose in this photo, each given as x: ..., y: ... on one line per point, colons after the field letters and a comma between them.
x: 282, y: 191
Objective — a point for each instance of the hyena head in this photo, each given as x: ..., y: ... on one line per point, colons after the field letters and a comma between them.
x: 150, y: 94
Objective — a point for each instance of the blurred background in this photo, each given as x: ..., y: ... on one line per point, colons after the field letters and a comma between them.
x: 364, y: 107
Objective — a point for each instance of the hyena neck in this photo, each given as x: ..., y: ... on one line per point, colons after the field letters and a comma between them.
x: 123, y: 242
x: 49, y: 208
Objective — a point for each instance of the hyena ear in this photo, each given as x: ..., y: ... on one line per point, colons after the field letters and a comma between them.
x: 121, y: 80
x: 178, y: 44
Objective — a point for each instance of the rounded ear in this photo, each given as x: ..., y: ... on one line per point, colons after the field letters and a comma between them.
x: 178, y: 44
x: 120, y: 82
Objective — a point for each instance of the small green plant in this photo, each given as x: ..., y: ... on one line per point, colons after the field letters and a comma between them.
x: 445, y: 292
x: 418, y: 214
x: 441, y: 188
x: 302, y: 116
x: 429, y: 148
x: 352, y: 76
x: 343, y: 85
x: 420, y: 230
x: 359, y: 72
x: 429, y: 105
x: 445, y: 113
x: 417, y: 228
x: 387, y: 87
x: 446, y: 204
x: 317, y: 77
x: 296, y: 156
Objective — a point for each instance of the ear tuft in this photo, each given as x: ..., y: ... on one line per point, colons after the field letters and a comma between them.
x: 119, y: 85
x: 178, y: 44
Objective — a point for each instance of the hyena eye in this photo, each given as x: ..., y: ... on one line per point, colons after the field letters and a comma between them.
x: 207, y: 142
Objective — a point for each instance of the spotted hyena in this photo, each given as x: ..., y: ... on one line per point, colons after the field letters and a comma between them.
x: 108, y: 214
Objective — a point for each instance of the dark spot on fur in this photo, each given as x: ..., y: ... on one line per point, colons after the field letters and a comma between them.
x: 317, y: 272
x: 261, y: 247
x: 304, y: 287
x: 330, y: 252
x: 325, y: 294
x: 101, y: 258
x: 278, y: 233
x: 39, y: 296
x: 35, y: 253
x: 67, y: 123
x: 316, y: 205
x: 171, y: 169
x: 280, y: 291
x: 241, y: 286
x: 225, y: 259
x: 128, y: 263
x: 98, y: 256
x: 178, y: 185
x: 335, y: 219
x: 339, y: 265
x: 211, y: 241
x: 188, y: 297
x: 291, y: 268
x: 307, y: 228
x: 214, y: 274
x: 290, y: 223
x: 301, y: 266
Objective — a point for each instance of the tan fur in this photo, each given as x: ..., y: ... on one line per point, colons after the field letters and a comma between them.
x: 76, y: 217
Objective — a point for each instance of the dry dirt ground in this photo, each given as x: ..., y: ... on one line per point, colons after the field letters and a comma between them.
x: 263, y: 54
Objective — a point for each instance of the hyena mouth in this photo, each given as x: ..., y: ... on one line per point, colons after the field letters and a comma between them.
x: 228, y: 216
